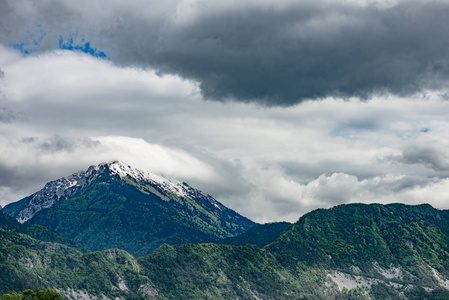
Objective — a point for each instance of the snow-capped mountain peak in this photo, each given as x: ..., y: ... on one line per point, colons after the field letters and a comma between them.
x: 124, y: 170
x: 66, y: 187
x: 180, y: 189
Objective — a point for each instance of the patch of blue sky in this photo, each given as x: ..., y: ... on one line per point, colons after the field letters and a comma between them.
x: 23, y: 48
x: 32, y: 39
x: 83, y: 46
x: 424, y: 130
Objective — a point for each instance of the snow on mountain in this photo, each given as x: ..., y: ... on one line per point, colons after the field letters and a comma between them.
x: 57, y: 190
x: 63, y: 188
x: 172, y: 186
x: 181, y: 189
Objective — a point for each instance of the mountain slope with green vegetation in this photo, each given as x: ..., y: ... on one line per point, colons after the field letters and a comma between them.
x: 204, y: 271
x: 260, y: 235
x: 119, y: 207
x: 29, y: 263
x: 113, y: 273
x: 360, y: 234
x: 37, y: 232
x: 395, y: 244
x: 211, y: 271
x: 352, y: 251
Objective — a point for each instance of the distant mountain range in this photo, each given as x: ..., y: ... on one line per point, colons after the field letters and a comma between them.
x: 354, y: 251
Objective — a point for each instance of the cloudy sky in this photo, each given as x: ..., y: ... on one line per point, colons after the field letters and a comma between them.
x: 274, y: 107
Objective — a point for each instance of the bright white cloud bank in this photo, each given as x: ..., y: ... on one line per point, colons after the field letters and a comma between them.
x: 62, y: 111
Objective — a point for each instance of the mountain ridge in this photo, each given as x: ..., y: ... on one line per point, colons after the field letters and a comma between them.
x: 115, y: 206
x: 316, y: 257
x: 64, y: 187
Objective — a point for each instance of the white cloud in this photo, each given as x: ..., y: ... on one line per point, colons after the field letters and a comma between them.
x: 288, y: 200
x: 66, y: 76
x: 172, y: 162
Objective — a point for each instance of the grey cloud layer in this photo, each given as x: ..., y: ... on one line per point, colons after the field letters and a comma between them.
x: 272, y: 54
x: 432, y: 155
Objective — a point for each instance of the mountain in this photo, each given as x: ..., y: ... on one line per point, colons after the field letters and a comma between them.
x: 115, y: 206
x: 347, y: 252
x: 28, y: 263
x: 6, y: 222
x: 260, y: 235
x: 352, y: 251
x: 392, y: 249
x: 37, y: 232
x: 361, y: 234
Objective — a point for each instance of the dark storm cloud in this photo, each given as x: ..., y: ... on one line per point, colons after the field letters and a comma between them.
x: 269, y: 54
x: 310, y: 50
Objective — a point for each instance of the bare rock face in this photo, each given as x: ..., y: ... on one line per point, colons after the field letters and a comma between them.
x: 52, y: 192
x: 147, y: 289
